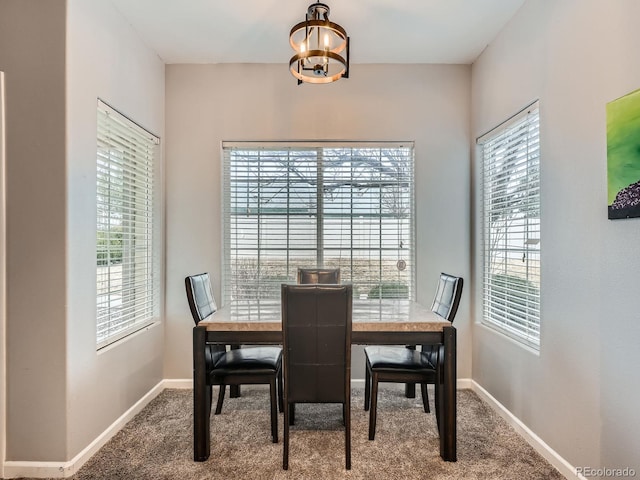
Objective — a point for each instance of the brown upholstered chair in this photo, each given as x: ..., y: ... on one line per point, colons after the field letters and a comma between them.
x: 316, y: 326
x: 251, y: 365
x: 319, y: 275
x: 403, y: 365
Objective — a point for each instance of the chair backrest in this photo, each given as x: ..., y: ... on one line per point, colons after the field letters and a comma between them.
x: 202, y: 305
x: 447, y: 298
x: 316, y: 326
x: 319, y: 275
x: 200, y: 296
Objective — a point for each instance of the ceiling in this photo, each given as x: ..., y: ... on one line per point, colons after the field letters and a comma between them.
x: 257, y: 31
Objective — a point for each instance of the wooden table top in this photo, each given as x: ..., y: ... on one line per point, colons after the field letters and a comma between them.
x: 367, y: 316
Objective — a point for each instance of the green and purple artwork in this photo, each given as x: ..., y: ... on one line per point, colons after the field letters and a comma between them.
x: 623, y: 156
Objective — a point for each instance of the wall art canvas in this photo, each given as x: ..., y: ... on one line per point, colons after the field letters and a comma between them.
x: 623, y: 156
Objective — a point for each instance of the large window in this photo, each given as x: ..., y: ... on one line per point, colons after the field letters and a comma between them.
x: 511, y: 227
x: 126, y: 259
x: 318, y: 205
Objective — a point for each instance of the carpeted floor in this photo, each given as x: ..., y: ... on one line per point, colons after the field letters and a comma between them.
x: 157, y: 443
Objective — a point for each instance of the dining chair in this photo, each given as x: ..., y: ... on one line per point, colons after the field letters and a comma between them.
x: 313, y: 276
x: 406, y: 365
x: 316, y: 328
x: 319, y: 275
x: 246, y: 365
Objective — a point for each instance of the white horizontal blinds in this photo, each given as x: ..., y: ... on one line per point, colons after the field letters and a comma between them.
x: 368, y: 218
x: 511, y: 227
x: 127, y: 266
x: 270, y: 218
x: 317, y: 206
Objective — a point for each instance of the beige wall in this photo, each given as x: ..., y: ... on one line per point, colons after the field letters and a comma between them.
x: 59, y: 56
x: 106, y: 59
x: 32, y: 54
x: 580, y: 394
x: 206, y: 104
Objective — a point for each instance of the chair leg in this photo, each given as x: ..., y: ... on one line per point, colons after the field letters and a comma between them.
x: 285, y: 447
x: 374, y: 406
x: 346, y: 409
x: 436, y: 395
x: 220, y: 399
x: 425, y: 397
x: 367, y: 387
x: 274, y: 410
x: 292, y: 414
x: 280, y: 392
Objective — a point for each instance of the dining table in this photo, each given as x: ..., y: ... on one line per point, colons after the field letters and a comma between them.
x: 374, y: 322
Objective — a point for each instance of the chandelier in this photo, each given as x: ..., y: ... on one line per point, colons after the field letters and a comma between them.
x: 321, y: 46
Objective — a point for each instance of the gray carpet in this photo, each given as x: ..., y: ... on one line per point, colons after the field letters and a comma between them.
x: 157, y: 443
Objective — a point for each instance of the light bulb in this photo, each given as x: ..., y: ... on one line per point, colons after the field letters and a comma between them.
x: 326, y: 41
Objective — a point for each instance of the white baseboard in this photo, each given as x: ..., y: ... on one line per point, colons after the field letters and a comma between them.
x: 16, y: 469
x: 549, y: 454
x: 463, y: 383
x: 178, y: 383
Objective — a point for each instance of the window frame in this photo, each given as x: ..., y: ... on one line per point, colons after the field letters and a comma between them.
x: 127, y: 226
x: 321, y: 148
x: 511, y: 207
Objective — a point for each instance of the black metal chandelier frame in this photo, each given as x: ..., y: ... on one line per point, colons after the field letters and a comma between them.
x: 319, y: 45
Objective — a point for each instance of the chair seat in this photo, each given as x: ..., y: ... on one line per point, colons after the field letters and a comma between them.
x: 397, y: 358
x: 250, y: 359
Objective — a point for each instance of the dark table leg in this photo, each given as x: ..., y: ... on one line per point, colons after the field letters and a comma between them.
x: 410, y: 388
x: 448, y: 397
x: 234, y: 390
x: 201, y: 397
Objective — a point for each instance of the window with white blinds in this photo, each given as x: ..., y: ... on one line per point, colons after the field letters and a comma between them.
x: 318, y: 205
x: 126, y: 253
x: 511, y: 227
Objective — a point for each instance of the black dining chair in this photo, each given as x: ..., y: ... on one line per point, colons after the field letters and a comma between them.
x: 405, y: 365
x: 247, y: 365
x: 316, y: 327
x: 313, y: 276
x: 319, y: 275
